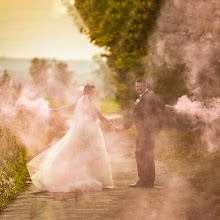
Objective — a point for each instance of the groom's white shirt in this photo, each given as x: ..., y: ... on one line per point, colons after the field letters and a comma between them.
x: 143, y: 93
x: 140, y: 98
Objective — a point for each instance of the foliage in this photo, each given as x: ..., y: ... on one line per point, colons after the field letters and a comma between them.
x: 123, y: 27
x: 10, y: 89
x: 103, y: 82
x: 40, y: 71
x: 13, y: 171
x: 4, y: 78
x: 61, y: 72
x: 52, y: 79
x: 168, y: 83
x: 108, y: 106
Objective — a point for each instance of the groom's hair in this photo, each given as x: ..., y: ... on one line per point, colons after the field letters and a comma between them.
x: 141, y: 80
x: 87, y: 89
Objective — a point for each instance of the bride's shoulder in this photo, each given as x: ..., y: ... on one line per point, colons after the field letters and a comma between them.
x: 93, y: 106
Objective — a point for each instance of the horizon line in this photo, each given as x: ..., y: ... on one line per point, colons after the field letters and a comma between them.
x: 49, y: 58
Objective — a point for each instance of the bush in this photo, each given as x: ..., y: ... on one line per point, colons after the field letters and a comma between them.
x: 123, y: 28
x: 13, y: 171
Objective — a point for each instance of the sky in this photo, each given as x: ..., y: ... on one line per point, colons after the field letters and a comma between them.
x: 42, y: 28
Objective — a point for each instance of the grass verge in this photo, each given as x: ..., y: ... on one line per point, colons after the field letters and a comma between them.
x: 13, y: 171
x: 185, y: 153
x: 108, y: 106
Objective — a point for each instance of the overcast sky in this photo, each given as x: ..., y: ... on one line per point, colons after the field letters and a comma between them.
x: 42, y: 28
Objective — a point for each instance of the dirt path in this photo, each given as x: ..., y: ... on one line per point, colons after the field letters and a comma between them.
x: 172, y: 198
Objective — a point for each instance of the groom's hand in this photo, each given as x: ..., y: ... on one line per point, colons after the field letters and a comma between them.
x: 120, y: 128
x: 170, y: 108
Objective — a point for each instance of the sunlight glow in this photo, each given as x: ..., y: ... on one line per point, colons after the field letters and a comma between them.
x: 46, y: 25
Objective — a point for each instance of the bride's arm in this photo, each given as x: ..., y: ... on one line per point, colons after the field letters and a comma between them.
x: 103, y: 119
x: 64, y: 109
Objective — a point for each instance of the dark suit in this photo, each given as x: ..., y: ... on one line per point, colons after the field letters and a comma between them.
x: 148, y: 125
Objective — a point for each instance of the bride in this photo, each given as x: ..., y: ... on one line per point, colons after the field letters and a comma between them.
x: 79, y: 161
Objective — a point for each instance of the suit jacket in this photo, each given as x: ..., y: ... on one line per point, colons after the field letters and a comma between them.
x: 145, y: 115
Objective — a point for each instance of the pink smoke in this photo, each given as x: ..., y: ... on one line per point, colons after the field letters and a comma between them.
x: 206, y: 115
x: 26, y: 113
x: 25, y: 116
x: 187, y: 34
x: 33, y: 129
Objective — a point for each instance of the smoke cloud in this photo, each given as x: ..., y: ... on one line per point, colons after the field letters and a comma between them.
x: 187, y: 35
x: 25, y: 110
x: 26, y: 116
x: 204, y: 115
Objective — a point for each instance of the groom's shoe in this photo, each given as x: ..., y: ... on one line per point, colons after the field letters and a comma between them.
x: 137, y: 184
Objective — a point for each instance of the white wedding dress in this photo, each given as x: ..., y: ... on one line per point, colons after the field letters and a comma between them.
x: 79, y: 161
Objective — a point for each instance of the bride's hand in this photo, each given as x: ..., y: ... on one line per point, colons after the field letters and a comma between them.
x: 53, y: 111
x: 120, y: 128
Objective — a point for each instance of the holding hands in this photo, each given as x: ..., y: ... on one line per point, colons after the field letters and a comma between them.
x: 170, y: 108
x: 120, y: 128
x: 54, y: 112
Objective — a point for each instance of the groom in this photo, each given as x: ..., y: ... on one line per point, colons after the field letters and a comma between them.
x: 148, y: 125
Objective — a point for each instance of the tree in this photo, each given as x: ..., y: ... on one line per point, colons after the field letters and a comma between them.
x: 123, y: 28
x: 61, y: 72
x: 52, y: 79
x: 103, y: 79
x: 39, y: 70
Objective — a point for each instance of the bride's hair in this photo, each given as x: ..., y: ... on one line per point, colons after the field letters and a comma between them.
x: 87, y: 89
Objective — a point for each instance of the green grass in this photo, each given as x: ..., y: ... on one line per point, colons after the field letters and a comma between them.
x: 108, y: 106
x: 185, y: 153
x: 13, y: 171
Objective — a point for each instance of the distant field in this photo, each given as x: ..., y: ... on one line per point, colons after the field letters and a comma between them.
x: 19, y: 68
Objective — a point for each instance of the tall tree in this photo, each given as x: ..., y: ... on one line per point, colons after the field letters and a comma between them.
x: 61, y: 72
x: 123, y: 27
x: 52, y: 78
x: 39, y: 70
